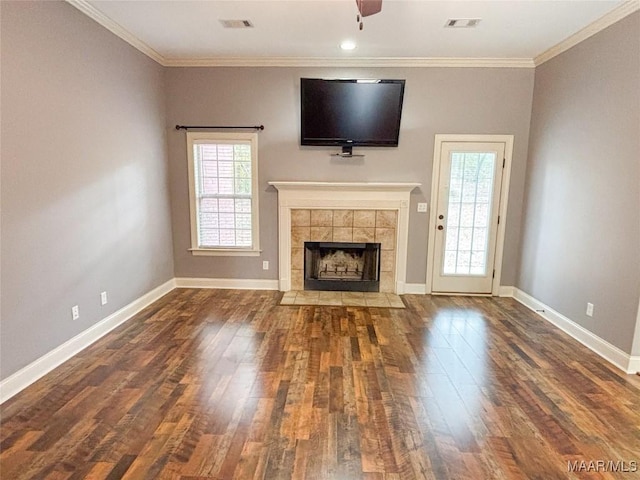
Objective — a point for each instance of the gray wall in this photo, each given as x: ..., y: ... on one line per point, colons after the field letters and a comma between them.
x: 437, y: 100
x: 85, y: 203
x: 581, y: 231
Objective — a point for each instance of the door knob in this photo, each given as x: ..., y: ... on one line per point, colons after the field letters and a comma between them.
x: 440, y: 227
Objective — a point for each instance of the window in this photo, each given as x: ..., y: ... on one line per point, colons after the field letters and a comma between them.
x: 223, y: 175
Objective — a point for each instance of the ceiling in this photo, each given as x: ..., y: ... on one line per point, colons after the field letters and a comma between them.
x: 302, y: 32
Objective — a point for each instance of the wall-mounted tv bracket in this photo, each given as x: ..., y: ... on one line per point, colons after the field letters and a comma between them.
x: 347, y: 152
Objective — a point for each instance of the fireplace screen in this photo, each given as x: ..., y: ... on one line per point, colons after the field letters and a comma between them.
x: 342, y: 266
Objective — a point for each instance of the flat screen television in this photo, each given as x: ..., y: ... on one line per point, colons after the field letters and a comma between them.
x: 350, y: 113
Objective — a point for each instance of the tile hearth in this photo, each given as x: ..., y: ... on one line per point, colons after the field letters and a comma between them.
x: 345, y: 299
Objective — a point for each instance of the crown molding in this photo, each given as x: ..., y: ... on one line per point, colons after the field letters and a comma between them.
x: 115, y: 28
x: 401, y: 62
x: 85, y: 7
x: 626, y: 8
x: 615, y: 15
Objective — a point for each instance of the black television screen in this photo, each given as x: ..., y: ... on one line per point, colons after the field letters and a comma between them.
x: 351, y: 112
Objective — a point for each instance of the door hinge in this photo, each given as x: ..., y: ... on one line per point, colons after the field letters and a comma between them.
x: 504, y: 162
x: 498, y: 219
x: 494, y: 274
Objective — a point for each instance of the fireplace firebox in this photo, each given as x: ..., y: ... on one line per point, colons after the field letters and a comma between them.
x: 342, y: 266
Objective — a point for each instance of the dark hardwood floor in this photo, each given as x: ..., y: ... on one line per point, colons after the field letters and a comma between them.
x: 224, y: 384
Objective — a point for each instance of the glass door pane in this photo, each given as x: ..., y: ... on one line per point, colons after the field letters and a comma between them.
x: 471, y: 185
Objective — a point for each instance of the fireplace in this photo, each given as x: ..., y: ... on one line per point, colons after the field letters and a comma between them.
x: 344, y: 266
x: 343, y: 212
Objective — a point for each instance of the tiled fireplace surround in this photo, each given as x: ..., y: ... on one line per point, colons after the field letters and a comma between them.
x: 343, y: 212
x: 362, y: 226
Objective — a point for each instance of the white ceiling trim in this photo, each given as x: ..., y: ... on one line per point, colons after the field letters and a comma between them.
x: 610, y: 18
x: 405, y: 62
x: 115, y: 28
x: 625, y: 9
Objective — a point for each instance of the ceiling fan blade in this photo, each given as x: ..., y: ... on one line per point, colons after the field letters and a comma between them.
x: 369, y: 7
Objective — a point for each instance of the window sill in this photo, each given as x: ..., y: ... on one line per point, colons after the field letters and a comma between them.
x: 224, y: 252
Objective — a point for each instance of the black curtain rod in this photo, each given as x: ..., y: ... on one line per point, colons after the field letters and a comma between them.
x: 188, y: 127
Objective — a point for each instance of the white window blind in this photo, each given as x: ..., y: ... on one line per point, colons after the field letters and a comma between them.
x: 223, y: 179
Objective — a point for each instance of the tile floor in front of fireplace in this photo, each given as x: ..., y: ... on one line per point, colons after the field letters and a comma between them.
x: 347, y: 299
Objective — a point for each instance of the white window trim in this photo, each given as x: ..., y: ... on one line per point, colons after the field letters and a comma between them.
x: 197, y: 137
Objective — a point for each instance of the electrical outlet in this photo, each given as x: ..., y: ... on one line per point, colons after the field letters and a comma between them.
x: 422, y: 207
x: 103, y: 298
x: 265, y: 265
x: 590, y: 309
x: 75, y: 312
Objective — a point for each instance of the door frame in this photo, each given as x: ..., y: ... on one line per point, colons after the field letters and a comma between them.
x: 504, y: 198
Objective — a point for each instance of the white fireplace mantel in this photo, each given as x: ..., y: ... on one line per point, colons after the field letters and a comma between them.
x: 342, y: 195
x: 346, y: 186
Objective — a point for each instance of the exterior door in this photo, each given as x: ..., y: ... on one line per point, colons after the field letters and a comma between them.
x: 467, y: 215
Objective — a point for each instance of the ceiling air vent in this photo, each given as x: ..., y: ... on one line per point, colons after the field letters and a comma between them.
x: 236, y: 23
x: 462, y: 23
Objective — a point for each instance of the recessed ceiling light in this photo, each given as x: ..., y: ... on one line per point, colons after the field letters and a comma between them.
x: 348, y: 45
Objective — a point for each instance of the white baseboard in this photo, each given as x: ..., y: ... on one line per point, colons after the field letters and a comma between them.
x: 43, y: 365
x: 506, y: 291
x: 609, y: 352
x: 415, y: 289
x: 421, y: 289
x: 634, y: 365
x: 227, y: 283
